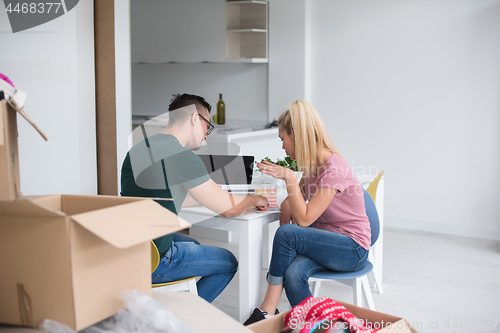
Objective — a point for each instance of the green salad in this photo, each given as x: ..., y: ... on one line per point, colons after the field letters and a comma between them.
x: 287, y: 162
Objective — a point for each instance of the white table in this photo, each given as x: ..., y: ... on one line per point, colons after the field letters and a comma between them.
x: 250, y: 242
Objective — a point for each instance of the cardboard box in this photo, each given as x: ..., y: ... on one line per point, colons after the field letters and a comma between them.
x: 18, y: 329
x: 387, y: 322
x: 193, y: 310
x: 202, y: 316
x: 68, y: 257
x: 10, y: 181
x: 10, y: 187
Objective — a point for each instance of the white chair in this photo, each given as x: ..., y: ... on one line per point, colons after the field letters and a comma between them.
x: 357, y: 279
x: 372, y: 189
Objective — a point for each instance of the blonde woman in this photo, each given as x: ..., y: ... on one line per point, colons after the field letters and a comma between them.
x: 323, y: 220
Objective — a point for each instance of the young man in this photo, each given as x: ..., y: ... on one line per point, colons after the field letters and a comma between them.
x: 165, y: 166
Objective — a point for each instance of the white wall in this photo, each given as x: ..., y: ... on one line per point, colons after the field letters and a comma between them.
x: 413, y: 88
x: 287, y: 54
x: 244, y: 87
x: 54, y: 64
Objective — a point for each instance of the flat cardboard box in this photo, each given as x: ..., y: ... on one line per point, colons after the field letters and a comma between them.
x: 10, y: 187
x: 202, y: 316
x: 193, y: 310
x: 388, y: 323
x: 68, y: 257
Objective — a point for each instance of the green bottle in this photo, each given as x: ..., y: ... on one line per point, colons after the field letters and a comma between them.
x: 221, y: 111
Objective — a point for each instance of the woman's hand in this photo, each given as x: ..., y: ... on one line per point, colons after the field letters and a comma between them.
x: 274, y: 170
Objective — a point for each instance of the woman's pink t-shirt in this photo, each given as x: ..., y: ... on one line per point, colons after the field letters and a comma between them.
x: 346, y: 213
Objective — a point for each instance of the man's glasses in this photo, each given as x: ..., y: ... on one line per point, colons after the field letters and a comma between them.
x: 210, y: 125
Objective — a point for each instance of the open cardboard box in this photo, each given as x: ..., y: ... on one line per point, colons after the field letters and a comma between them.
x: 68, y: 257
x: 387, y: 323
x: 204, y: 317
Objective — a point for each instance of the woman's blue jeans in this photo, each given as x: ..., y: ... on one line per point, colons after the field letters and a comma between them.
x: 187, y: 258
x: 299, y: 252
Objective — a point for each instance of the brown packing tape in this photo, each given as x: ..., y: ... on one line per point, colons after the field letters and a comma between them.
x: 17, y: 186
x: 24, y: 301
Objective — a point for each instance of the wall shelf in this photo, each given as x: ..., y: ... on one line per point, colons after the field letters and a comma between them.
x: 247, y: 31
x: 247, y: 60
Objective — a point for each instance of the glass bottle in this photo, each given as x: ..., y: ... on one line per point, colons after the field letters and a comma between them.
x: 221, y: 111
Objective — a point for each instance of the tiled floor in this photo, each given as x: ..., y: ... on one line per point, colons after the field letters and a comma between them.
x: 439, y: 283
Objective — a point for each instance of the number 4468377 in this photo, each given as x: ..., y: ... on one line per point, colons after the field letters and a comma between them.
x: 32, y: 8
x: 470, y: 324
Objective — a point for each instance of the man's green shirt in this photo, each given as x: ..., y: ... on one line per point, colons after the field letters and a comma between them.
x: 159, y: 167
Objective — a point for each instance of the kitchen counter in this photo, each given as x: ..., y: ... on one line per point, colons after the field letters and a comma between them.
x: 236, y: 137
x: 232, y: 130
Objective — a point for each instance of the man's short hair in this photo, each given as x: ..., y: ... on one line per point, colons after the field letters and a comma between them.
x: 179, y: 101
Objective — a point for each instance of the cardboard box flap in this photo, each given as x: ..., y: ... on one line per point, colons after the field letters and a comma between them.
x: 27, y: 208
x: 73, y: 204
x: 127, y: 225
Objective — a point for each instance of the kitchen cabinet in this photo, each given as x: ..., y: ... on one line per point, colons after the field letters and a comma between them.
x: 164, y: 31
x: 193, y: 31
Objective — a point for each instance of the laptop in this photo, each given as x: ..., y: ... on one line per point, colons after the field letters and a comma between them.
x: 229, y: 169
x: 235, y: 173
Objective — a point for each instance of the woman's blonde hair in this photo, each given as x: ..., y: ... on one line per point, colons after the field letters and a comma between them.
x: 310, y: 133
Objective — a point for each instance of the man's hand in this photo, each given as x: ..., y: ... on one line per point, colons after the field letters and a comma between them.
x: 261, y: 202
x: 210, y: 195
